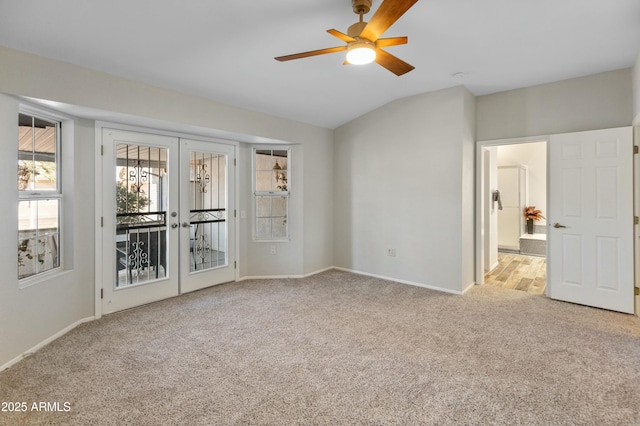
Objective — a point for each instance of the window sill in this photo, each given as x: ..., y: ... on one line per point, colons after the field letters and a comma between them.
x: 43, y: 277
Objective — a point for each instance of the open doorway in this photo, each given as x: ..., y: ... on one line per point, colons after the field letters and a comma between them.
x: 514, y: 180
x: 589, y: 238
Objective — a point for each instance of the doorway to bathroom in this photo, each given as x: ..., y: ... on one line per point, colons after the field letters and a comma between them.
x: 589, y: 200
x: 515, y: 225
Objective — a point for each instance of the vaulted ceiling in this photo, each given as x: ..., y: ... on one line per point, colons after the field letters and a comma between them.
x: 224, y: 50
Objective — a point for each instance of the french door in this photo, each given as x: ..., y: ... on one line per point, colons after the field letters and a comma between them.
x: 166, y: 227
x: 591, y: 218
x: 206, y: 195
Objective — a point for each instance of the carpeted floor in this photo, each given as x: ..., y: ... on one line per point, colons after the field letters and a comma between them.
x: 338, y: 348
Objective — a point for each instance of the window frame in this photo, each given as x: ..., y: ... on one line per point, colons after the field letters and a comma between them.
x: 275, y: 193
x: 40, y: 195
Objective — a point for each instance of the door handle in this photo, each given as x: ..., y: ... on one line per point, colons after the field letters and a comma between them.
x: 185, y: 225
x: 557, y: 225
x: 174, y: 225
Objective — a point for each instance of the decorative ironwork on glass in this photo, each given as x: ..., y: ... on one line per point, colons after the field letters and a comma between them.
x: 202, y: 249
x: 207, y: 216
x: 138, y: 257
x: 139, y: 176
x: 141, y: 219
x: 203, y: 178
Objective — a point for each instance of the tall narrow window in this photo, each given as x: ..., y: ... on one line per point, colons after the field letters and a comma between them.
x: 271, y: 191
x: 40, y: 195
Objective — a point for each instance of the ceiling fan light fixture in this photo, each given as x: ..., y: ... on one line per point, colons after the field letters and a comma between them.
x: 363, y: 42
x: 361, y: 53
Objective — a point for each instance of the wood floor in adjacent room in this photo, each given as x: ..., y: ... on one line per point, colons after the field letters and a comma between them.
x: 518, y: 272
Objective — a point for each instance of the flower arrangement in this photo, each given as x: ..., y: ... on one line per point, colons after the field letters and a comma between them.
x: 530, y: 213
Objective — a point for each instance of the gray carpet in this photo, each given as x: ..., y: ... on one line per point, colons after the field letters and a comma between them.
x: 338, y: 348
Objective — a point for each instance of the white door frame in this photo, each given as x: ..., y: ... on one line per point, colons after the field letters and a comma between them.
x: 99, y: 264
x: 480, y: 237
x: 636, y: 207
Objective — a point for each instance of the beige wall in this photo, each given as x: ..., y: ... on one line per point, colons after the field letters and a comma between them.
x: 33, y: 314
x: 24, y: 74
x: 468, y: 187
x: 404, y: 181
x: 593, y: 102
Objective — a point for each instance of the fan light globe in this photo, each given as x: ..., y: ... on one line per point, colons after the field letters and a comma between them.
x: 360, y: 54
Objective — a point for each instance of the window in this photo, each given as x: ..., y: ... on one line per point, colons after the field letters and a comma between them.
x: 40, y: 195
x: 271, y: 193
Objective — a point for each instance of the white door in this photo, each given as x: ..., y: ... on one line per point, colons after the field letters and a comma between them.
x: 207, y: 215
x: 140, y: 219
x: 152, y: 185
x: 590, y: 219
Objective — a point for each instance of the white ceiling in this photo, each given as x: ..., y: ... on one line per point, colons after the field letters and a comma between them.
x: 224, y: 50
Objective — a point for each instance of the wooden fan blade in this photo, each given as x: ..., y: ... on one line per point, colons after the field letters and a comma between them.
x: 311, y: 53
x: 341, y: 36
x: 391, y: 41
x: 388, y: 13
x: 392, y: 63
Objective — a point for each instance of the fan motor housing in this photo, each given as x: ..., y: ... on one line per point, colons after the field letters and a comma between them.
x: 355, y: 29
x: 361, y: 6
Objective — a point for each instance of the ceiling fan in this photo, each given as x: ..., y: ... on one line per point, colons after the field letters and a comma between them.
x: 364, y: 44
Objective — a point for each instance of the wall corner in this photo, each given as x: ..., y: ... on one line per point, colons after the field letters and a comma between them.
x: 468, y: 189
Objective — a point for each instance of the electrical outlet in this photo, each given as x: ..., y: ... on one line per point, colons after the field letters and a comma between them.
x: 243, y: 214
x: 273, y: 250
x: 391, y: 252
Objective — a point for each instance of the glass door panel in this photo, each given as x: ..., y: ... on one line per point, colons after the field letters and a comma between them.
x: 141, y: 214
x: 207, y: 210
x: 207, y: 223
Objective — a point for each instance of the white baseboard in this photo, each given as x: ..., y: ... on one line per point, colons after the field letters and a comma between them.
x: 469, y: 287
x: 430, y: 287
x: 277, y: 277
x: 416, y: 284
x: 268, y: 277
x: 45, y: 342
x: 319, y: 271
